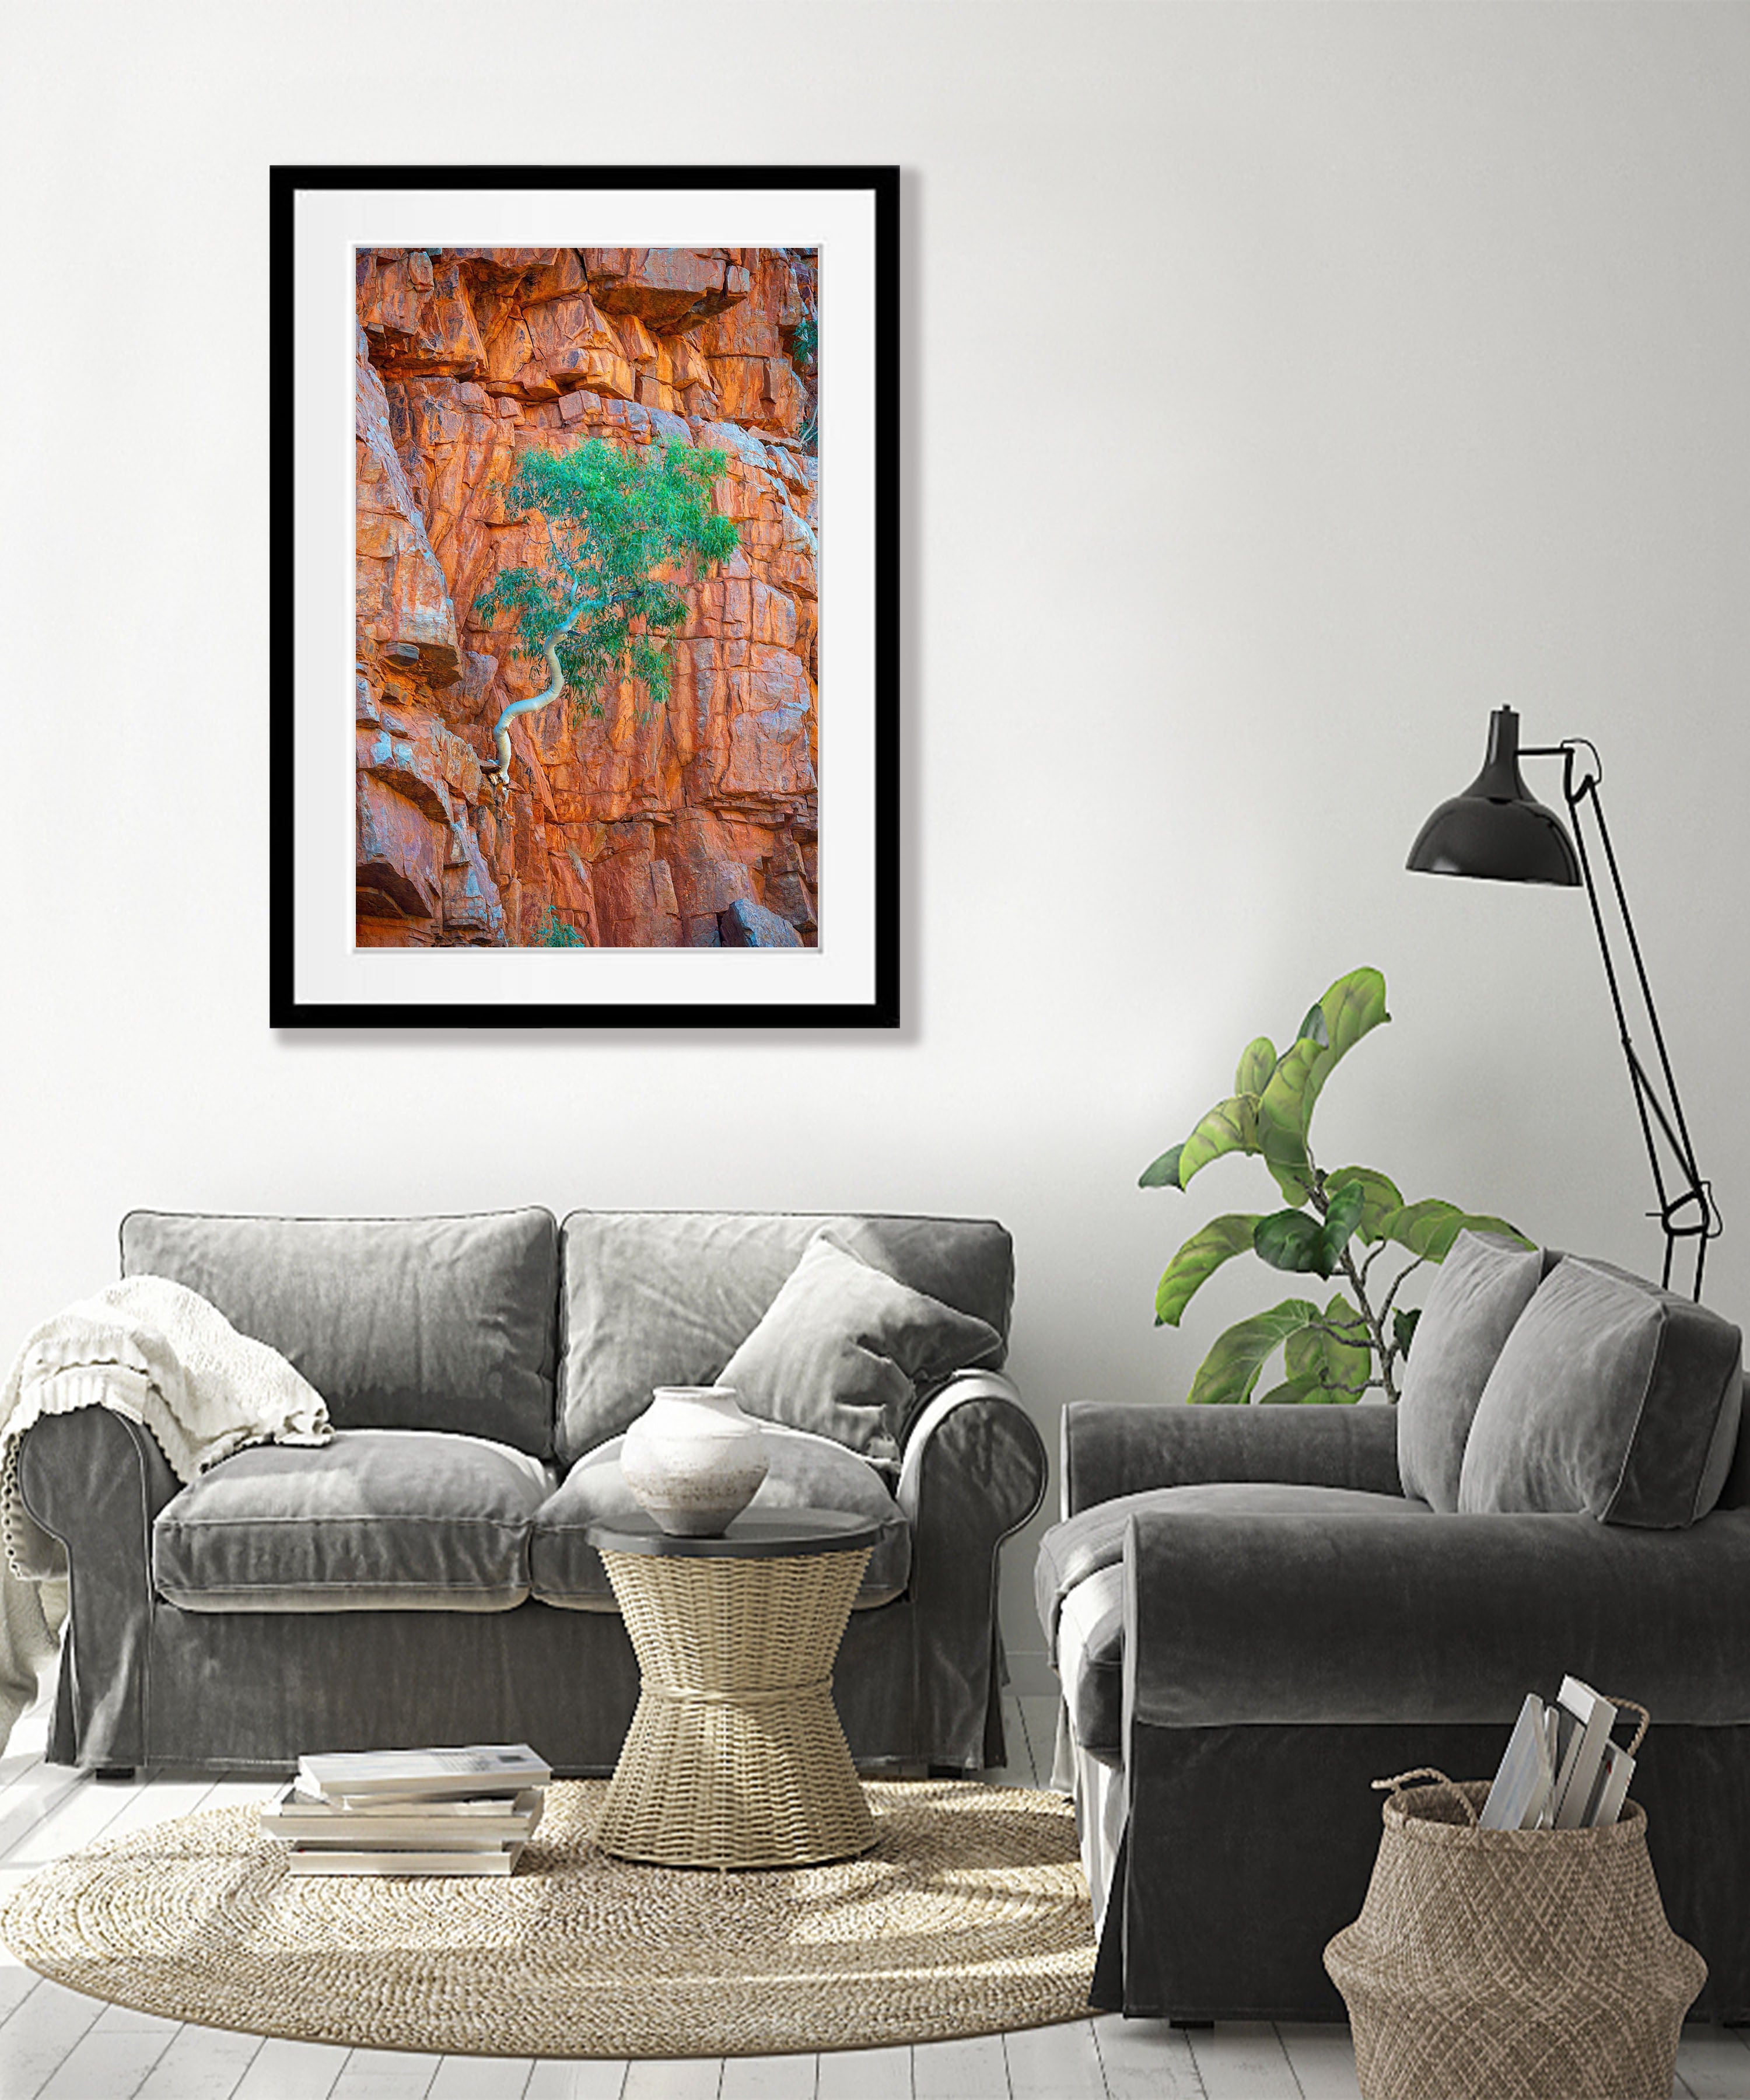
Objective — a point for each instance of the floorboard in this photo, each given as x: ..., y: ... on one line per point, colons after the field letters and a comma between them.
x: 38, y: 1794
x: 1145, y: 2059
x: 482, y: 2078
x: 1055, y: 2063
x: 864, y: 2074
x: 1713, y: 2063
x: 599, y: 2078
x: 385, y: 2074
x: 768, y: 2078
x: 678, y: 2078
x: 17, y: 1984
x: 40, y: 2036
x: 113, y: 2059
x: 72, y: 1810
x: 972, y: 2069
x: 292, y: 2070
x: 1322, y: 2059
x: 1243, y: 2060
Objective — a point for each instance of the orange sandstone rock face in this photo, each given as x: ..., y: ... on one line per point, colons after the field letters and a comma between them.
x: 691, y: 824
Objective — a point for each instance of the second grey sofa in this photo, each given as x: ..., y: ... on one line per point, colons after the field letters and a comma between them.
x: 423, y: 1579
x: 1256, y: 1612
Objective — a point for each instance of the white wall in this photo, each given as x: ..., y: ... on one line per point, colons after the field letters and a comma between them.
x: 1286, y: 386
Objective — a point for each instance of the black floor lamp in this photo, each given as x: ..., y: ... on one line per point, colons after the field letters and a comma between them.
x: 1498, y: 831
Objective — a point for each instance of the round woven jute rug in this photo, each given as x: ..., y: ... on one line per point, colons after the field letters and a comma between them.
x: 971, y: 1914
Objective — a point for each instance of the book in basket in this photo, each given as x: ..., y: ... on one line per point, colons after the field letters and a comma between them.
x: 1520, y: 1795
x: 1561, y: 1770
x: 474, y: 1769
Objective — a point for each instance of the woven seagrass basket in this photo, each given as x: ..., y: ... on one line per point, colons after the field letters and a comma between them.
x: 1518, y: 1965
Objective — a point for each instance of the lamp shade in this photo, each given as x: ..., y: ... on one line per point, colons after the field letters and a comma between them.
x: 1497, y: 829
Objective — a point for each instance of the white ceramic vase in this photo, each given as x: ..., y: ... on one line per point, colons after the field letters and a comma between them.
x: 694, y: 1460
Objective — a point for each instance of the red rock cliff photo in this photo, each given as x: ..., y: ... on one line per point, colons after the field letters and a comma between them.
x: 628, y: 818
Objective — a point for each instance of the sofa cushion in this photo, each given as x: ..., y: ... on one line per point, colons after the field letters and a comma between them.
x: 1610, y: 1397
x: 1091, y: 1663
x: 398, y: 1323
x: 843, y: 1351
x: 401, y: 1519
x: 1082, y: 1546
x: 654, y: 1298
x: 1480, y: 1290
x: 805, y: 1472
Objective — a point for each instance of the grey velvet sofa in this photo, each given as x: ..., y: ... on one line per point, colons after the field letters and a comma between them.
x: 425, y: 1578
x: 1253, y: 1619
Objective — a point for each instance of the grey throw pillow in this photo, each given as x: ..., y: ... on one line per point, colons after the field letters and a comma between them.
x: 1610, y: 1398
x: 399, y: 1323
x: 843, y: 1348
x: 653, y: 1298
x: 1484, y: 1284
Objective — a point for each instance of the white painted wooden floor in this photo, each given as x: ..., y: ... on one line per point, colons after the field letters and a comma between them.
x: 55, y: 2045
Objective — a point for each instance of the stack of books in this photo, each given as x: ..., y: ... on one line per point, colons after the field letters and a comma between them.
x: 1561, y: 1771
x: 446, y: 1812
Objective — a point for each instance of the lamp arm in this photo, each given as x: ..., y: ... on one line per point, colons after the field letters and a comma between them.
x: 1691, y: 1213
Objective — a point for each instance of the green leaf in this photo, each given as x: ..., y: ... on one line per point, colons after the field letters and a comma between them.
x: 1404, y: 1329
x: 1161, y: 1173
x: 1230, y: 1126
x: 1341, y: 1218
x: 1291, y: 1240
x: 1354, y: 1006
x: 1258, y: 1061
x: 1429, y: 1227
x: 1338, y: 1362
x: 1292, y: 1392
x: 1197, y: 1260
x: 1380, y: 1197
x: 1227, y: 1374
x: 1300, y: 1243
x: 1281, y: 1127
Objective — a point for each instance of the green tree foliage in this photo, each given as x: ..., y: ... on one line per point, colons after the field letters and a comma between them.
x: 1336, y: 1224
x: 554, y: 932
x: 617, y: 528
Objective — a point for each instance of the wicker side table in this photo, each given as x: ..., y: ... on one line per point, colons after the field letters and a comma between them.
x: 735, y: 1757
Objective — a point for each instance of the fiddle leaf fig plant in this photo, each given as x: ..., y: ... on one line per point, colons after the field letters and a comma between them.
x: 1333, y: 1224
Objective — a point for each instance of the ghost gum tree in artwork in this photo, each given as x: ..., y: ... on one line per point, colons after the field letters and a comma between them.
x: 622, y: 534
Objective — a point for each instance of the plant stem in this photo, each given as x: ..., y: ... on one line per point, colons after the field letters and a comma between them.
x: 1384, y: 1352
x: 1385, y: 1310
x: 1375, y: 1325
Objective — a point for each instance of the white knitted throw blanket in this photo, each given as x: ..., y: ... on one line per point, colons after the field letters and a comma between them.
x: 155, y: 1351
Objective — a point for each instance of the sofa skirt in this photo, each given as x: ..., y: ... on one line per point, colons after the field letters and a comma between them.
x: 256, y: 1690
x: 1246, y: 1849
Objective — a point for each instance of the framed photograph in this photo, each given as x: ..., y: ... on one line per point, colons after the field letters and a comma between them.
x: 585, y: 598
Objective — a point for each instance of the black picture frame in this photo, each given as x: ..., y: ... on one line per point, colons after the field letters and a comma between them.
x: 318, y: 976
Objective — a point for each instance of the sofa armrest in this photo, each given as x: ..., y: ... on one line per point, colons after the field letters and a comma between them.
x: 1289, y: 1620
x: 974, y: 1470
x: 95, y: 1479
x: 1112, y: 1448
